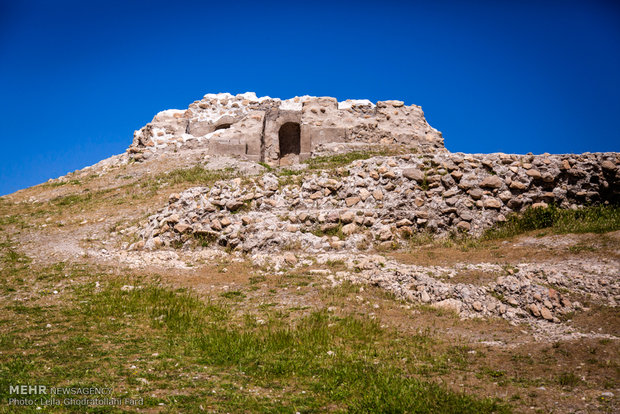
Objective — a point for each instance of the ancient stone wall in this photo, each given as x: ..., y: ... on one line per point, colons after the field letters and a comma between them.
x: 248, y: 126
x: 380, y: 200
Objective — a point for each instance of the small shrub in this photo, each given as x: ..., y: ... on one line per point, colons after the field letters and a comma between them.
x: 568, y: 379
x: 424, y: 185
x: 203, y: 239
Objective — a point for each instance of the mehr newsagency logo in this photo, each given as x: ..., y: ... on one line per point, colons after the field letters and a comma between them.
x: 42, y: 395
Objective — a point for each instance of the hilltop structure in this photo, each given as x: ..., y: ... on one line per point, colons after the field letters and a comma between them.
x: 283, y: 131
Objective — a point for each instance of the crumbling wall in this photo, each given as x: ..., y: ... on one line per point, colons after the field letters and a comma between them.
x: 248, y: 126
x: 382, y: 199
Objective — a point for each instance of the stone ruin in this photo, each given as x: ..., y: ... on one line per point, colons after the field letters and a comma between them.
x: 351, y: 212
x: 382, y: 199
x: 282, y: 132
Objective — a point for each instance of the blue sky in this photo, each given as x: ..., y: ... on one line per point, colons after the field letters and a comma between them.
x: 77, y: 78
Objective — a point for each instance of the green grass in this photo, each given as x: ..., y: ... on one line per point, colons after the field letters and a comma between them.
x: 424, y: 185
x: 340, y: 160
x: 568, y: 379
x: 287, y: 172
x: 196, y: 175
x: 233, y: 295
x: 580, y: 248
x: 12, y: 262
x: 61, y: 183
x: 592, y: 219
x: 204, y: 240
x: 72, y: 199
x: 12, y: 219
x: 268, y: 167
x: 171, y: 347
x: 551, y: 220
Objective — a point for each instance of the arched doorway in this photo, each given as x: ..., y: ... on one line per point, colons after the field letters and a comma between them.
x: 289, y: 136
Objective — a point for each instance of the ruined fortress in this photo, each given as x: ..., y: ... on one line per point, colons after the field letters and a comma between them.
x: 425, y: 188
x: 350, y: 210
x: 281, y: 132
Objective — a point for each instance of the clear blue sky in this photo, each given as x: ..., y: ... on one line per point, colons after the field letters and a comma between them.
x: 77, y: 78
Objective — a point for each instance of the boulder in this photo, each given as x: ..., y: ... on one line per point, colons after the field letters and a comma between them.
x: 608, y: 165
x: 535, y: 174
x: 351, y: 201
x: 475, y: 193
x: 546, y: 314
x: 518, y: 185
x: 182, y: 227
x: 492, y: 203
x: 347, y: 217
x: 349, y: 229
x: 453, y: 305
x: 492, y: 181
x: 413, y: 174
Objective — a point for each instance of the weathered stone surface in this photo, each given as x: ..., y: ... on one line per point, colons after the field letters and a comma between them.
x: 248, y: 126
x: 453, y: 305
x: 347, y: 217
x: 608, y: 165
x: 492, y: 203
x: 390, y: 175
x: 364, y: 194
x: 505, y: 196
x: 413, y: 174
x: 492, y: 181
x: 534, y: 310
x: 546, y: 314
x: 349, y: 229
x: 351, y: 201
x: 456, y: 174
x: 534, y: 173
x: 290, y: 258
x: 182, y: 227
x: 174, y: 218
x: 385, y: 233
x: 216, y: 225
x: 234, y: 205
x: 476, y: 193
x: 403, y: 222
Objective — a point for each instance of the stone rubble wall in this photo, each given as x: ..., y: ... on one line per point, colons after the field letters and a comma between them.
x: 518, y: 293
x: 223, y: 124
x: 379, y: 201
